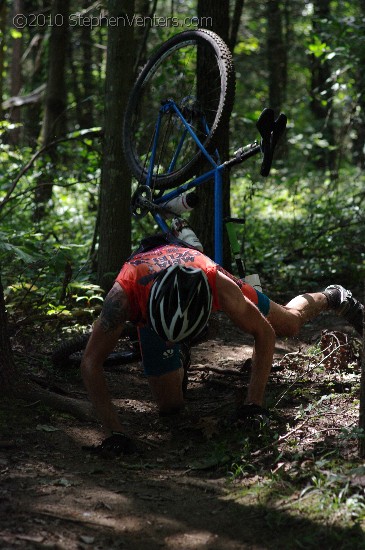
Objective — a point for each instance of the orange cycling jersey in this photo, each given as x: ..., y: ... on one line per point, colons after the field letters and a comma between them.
x: 139, y: 272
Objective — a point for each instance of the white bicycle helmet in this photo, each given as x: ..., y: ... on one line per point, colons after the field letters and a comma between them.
x: 179, y: 303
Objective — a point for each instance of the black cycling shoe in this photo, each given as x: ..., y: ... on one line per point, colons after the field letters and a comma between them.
x: 344, y: 304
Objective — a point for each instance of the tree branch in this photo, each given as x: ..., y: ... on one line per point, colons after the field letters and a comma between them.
x: 81, y: 410
x: 70, y: 137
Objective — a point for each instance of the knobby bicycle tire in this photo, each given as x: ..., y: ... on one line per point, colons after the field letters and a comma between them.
x: 171, y: 73
x: 69, y: 353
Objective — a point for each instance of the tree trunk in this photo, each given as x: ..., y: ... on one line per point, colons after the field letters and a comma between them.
x: 80, y: 409
x: 82, y: 80
x: 32, y: 114
x: 235, y: 23
x: 75, y: 87
x: 322, y: 95
x: 362, y: 395
x: 276, y: 56
x: 144, y: 8
x: 88, y: 86
x: 7, y: 367
x: 202, y: 217
x: 2, y: 51
x: 14, y: 386
x: 277, y: 62
x: 54, y: 121
x: 115, y: 190
x: 16, y: 76
x: 358, y: 147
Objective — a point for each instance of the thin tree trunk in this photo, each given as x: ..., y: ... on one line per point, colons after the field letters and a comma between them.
x: 235, y: 23
x: 362, y: 394
x: 7, y: 366
x: 32, y: 114
x: 146, y: 9
x: 16, y: 76
x: 322, y: 95
x: 54, y: 121
x: 277, y: 62
x: 115, y: 189
x: 276, y: 56
x: 2, y: 50
x: 358, y: 147
x: 88, y: 84
x: 75, y: 86
x: 202, y: 217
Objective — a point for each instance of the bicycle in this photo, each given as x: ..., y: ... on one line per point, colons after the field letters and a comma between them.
x: 166, y: 150
x: 167, y: 139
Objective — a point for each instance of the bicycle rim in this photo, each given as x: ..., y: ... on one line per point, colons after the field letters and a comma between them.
x: 69, y: 353
x: 195, y: 70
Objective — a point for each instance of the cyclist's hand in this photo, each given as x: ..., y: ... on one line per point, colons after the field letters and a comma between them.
x: 252, y: 415
x: 115, y: 445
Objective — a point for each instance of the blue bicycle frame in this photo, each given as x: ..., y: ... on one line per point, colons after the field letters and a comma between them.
x: 215, y: 172
x: 270, y: 131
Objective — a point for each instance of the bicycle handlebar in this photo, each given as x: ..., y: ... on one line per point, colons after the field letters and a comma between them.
x: 271, y: 130
x: 243, y: 153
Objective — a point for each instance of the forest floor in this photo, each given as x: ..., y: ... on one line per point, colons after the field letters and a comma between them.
x: 197, y: 481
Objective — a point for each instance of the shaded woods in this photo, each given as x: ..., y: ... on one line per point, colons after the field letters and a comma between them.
x: 65, y: 229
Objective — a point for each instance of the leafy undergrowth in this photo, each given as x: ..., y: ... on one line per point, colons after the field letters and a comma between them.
x: 199, y: 480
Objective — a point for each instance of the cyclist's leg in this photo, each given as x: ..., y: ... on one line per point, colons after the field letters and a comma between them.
x: 288, y: 320
x: 164, y: 370
x: 167, y: 391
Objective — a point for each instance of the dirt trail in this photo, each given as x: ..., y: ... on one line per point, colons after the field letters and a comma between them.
x: 174, y: 493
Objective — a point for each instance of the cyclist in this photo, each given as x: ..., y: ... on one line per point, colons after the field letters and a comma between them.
x: 169, y: 290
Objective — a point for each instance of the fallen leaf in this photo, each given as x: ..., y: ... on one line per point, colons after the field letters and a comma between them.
x: 46, y: 428
x: 30, y: 538
x: 63, y: 482
x: 86, y: 539
x: 209, y: 462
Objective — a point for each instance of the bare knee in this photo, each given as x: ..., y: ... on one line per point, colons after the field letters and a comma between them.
x: 292, y: 326
x: 285, y: 321
x: 167, y: 392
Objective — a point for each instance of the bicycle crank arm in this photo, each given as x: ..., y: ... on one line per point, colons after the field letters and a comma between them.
x: 142, y: 204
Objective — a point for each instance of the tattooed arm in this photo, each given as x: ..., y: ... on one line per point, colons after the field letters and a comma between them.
x: 103, y: 339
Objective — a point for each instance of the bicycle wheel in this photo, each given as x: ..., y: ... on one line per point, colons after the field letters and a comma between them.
x: 69, y: 353
x: 195, y: 70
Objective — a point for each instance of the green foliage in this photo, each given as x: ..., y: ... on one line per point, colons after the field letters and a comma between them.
x: 317, y: 47
x: 299, y: 222
x: 304, y: 462
x: 304, y: 228
x: 297, y: 231
x: 45, y: 265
